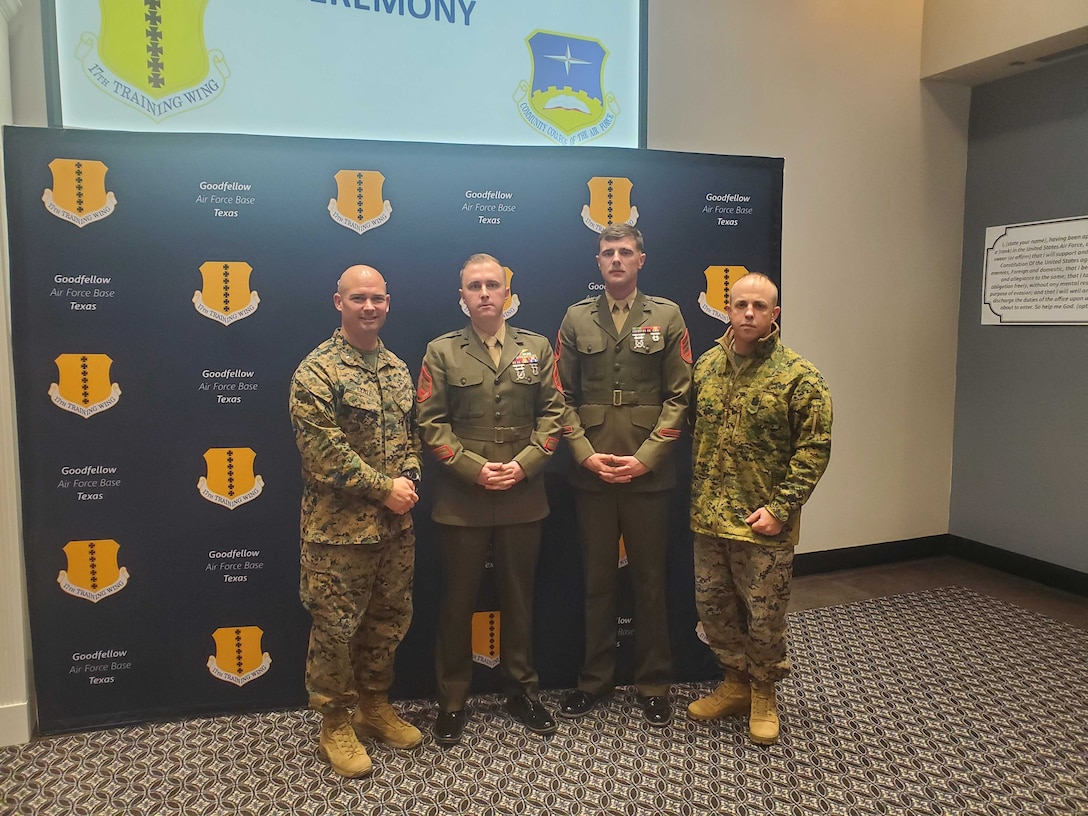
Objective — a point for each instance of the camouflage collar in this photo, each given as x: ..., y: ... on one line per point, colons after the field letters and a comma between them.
x: 764, y: 346
x: 353, y: 356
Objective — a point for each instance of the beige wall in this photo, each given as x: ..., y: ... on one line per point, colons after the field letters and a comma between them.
x: 875, y: 164
x: 27, y: 71
x: 975, y: 41
x: 15, y: 707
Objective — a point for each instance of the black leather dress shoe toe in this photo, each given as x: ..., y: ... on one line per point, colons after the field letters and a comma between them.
x: 531, y: 713
x: 449, y: 726
x: 657, y: 709
x: 579, y: 703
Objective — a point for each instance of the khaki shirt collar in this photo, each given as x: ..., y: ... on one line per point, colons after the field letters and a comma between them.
x: 626, y: 304
x: 500, y: 335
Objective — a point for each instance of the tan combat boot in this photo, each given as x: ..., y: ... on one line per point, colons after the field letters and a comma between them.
x: 340, y: 747
x: 763, y: 721
x: 374, y: 717
x: 730, y: 699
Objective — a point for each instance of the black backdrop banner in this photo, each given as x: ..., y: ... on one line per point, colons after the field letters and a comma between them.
x: 163, y: 289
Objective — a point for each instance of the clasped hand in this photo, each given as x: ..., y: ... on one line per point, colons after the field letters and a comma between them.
x: 500, y: 475
x: 764, y: 522
x: 613, y: 468
x: 403, y: 497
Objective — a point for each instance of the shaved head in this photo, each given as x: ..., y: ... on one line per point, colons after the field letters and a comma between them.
x: 759, y: 279
x: 752, y: 311
x: 359, y: 275
x: 363, y: 302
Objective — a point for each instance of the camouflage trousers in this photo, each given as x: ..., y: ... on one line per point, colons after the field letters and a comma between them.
x: 359, y: 597
x: 742, y: 591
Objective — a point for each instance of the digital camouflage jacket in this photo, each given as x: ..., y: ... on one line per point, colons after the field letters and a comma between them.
x: 356, y: 431
x: 762, y: 438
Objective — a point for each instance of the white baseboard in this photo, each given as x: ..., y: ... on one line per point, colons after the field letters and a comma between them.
x: 15, y: 724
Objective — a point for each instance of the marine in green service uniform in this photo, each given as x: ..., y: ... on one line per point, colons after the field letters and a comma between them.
x: 352, y: 407
x: 761, y: 442
x: 624, y: 360
x: 490, y: 412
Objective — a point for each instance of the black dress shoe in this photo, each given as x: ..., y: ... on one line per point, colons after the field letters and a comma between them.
x: 449, y: 726
x: 579, y: 703
x: 531, y: 714
x: 657, y: 709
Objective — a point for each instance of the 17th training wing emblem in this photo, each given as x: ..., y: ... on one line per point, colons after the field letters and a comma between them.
x: 230, y: 481
x: 609, y: 203
x: 719, y: 280
x: 359, y: 205
x: 226, y: 296
x: 238, y: 657
x: 564, y: 100
x: 84, y: 386
x: 93, y: 573
x: 78, y: 194
x: 151, y: 56
x: 485, y: 638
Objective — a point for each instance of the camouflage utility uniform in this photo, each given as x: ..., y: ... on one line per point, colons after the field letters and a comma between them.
x: 762, y: 439
x: 626, y: 393
x: 355, y: 427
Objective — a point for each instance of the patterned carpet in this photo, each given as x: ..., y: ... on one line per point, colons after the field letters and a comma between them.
x: 940, y: 702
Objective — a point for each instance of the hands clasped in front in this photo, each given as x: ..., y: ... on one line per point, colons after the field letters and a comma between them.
x: 615, y: 469
x: 500, y: 475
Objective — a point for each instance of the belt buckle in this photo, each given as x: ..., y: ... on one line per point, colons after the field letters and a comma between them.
x: 499, y: 435
x: 617, y: 397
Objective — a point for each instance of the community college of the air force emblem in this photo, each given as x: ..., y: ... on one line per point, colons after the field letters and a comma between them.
x: 565, y: 100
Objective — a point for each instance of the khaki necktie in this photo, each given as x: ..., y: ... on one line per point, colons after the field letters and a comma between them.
x: 619, y: 316
x: 494, y: 349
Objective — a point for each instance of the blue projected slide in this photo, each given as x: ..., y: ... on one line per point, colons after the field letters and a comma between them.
x: 560, y: 72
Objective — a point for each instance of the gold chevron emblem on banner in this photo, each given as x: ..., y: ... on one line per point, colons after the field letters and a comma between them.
x: 230, y: 481
x: 238, y: 658
x: 83, y: 386
x: 359, y: 205
x: 609, y: 203
x: 93, y: 572
x: 78, y: 194
x: 225, y: 296
x: 485, y: 638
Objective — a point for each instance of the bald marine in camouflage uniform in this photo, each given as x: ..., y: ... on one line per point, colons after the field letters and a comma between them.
x: 353, y: 412
x: 761, y: 442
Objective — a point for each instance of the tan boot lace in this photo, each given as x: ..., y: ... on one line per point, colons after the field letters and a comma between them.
x: 345, y: 740
x: 763, y: 701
